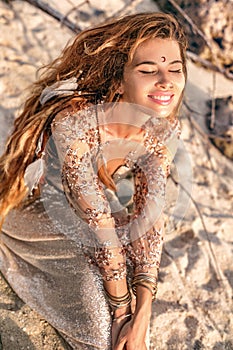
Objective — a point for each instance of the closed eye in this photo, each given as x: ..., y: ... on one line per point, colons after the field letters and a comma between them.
x: 176, y: 71
x: 147, y: 72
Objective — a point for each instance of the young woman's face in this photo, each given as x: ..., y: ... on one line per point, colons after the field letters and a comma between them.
x: 155, y: 78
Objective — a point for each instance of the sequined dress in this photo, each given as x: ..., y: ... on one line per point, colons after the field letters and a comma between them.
x: 54, y: 251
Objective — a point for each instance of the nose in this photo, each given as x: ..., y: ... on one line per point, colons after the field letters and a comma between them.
x: 163, y: 82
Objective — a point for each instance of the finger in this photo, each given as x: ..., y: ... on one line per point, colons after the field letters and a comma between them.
x: 116, y: 329
x: 120, y: 345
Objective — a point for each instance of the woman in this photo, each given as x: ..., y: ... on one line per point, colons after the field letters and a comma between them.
x: 81, y: 242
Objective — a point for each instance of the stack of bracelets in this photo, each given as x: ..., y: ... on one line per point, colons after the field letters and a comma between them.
x: 118, y: 302
x: 145, y: 280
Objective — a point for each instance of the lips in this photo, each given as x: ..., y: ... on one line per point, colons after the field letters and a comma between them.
x: 162, y: 99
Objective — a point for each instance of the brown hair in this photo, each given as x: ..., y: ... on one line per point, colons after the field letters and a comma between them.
x: 96, y: 57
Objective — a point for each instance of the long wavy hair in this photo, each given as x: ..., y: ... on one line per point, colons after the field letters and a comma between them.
x: 96, y: 57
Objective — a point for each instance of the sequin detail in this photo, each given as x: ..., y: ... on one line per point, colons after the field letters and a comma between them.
x: 135, y: 229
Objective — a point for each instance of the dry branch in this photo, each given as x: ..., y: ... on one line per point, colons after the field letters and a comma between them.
x: 74, y: 8
x: 194, y: 27
x: 207, y: 64
x: 62, y: 18
x: 211, y: 251
x: 55, y: 14
x: 198, y: 31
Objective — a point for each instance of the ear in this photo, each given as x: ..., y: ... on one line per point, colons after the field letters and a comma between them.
x: 121, y: 89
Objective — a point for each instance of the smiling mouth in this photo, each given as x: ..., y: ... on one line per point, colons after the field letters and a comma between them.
x: 161, y: 99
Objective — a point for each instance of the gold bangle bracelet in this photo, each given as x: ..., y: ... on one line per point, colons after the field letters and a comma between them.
x: 145, y: 280
x: 118, y: 302
x: 148, y: 286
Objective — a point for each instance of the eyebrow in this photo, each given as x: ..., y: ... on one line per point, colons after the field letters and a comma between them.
x: 154, y: 63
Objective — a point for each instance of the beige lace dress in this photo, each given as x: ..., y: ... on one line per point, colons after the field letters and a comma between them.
x: 56, y: 250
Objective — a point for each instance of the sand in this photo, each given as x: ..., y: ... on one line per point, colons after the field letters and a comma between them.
x: 193, y: 309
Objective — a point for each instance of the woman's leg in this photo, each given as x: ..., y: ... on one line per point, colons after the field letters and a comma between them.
x: 55, y: 279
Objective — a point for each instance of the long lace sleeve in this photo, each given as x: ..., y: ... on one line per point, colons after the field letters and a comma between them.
x: 74, y: 136
x: 146, y: 231
x: 150, y: 176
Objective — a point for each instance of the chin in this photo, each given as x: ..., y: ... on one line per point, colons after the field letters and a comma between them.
x: 166, y: 112
x: 163, y: 114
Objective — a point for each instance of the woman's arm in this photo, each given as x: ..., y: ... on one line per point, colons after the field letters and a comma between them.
x: 146, y: 241
x: 85, y: 194
x: 147, y: 229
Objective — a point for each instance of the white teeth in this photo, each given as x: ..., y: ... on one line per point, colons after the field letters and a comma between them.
x: 161, y: 98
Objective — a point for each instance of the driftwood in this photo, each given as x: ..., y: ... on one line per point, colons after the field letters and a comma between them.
x: 63, y: 18
x: 194, y: 27
x: 193, y: 56
x: 55, y: 14
x: 207, y: 64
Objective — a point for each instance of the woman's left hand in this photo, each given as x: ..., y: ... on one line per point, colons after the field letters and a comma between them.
x: 117, y: 326
x: 131, y: 337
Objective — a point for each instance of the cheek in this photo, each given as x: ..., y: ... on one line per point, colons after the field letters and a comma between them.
x: 126, y: 84
x: 131, y: 87
x: 181, y: 84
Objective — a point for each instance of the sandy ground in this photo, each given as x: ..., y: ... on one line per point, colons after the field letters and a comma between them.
x: 194, y: 305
